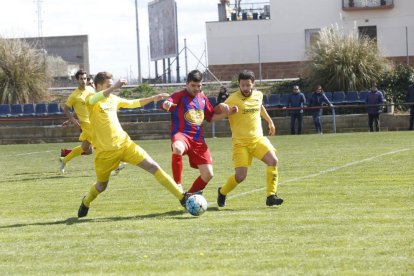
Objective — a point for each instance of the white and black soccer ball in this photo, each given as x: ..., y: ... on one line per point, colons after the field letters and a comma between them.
x: 196, y: 205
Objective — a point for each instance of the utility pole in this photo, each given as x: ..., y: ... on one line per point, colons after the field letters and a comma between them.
x: 138, y: 49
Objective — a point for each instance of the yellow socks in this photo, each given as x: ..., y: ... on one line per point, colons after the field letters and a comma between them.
x: 92, y: 194
x: 272, y: 179
x: 76, y: 151
x: 165, y: 180
x: 229, y: 186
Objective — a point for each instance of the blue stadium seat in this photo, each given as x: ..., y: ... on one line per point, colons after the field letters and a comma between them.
x: 54, y: 109
x: 338, y: 97
x: 265, y: 101
x: 351, y: 97
x: 328, y: 95
x: 284, y: 99
x: 274, y: 100
x: 5, y: 110
x: 28, y: 110
x: 149, y: 107
x: 213, y: 100
x: 363, y: 96
x: 159, y: 104
x: 41, y: 109
x: 16, y: 110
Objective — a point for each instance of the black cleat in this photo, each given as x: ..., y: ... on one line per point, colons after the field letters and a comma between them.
x: 83, y: 210
x: 221, y: 199
x: 183, y: 201
x: 273, y: 200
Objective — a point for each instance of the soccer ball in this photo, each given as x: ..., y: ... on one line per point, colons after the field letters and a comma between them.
x: 196, y: 205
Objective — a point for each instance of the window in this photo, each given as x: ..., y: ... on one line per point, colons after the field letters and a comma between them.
x: 311, y: 37
x: 368, y: 31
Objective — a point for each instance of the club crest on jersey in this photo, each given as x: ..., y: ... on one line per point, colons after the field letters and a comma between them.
x: 194, y: 116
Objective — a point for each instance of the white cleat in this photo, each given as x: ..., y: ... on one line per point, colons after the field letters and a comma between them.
x: 62, y: 165
x: 121, y: 166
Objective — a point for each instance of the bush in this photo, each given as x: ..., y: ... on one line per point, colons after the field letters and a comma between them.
x: 142, y: 91
x: 286, y: 86
x: 395, y: 83
x: 23, y: 77
x: 344, y: 62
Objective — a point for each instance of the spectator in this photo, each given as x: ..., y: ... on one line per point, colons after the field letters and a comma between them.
x: 373, y: 101
x: 410, y: 99
x: 316, y: 100
x: 297, y: 101
x: 223, y: 95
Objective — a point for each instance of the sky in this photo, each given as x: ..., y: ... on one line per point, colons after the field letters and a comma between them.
x: 111, y: 27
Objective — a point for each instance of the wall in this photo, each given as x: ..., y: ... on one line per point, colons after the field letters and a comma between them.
x: 140, y: 130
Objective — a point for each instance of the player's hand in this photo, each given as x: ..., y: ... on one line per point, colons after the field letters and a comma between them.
x: 120, y: 83
x: 167, y: 105
x: 161, y: 96
x: 234, y: 110
x: 272, y: 130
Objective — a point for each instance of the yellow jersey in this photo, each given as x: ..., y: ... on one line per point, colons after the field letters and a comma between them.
x: 78, y: 100
x: 246, y: 124
x: 108, y: 133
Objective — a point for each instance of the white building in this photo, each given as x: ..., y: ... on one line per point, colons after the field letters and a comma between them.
x: 273, y: 45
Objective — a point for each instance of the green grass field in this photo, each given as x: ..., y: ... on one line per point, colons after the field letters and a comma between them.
x: 348, y: 210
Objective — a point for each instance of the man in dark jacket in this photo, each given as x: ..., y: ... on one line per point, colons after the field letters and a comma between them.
x: 297, y: 100
x: 373, y: 101
x: 316, y: 100
x: 410, y: 99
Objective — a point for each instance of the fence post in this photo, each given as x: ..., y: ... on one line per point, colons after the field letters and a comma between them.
x: 334, y: 119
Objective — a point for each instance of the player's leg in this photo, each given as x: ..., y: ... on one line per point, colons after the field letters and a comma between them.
x: 206, y: 174
x: 241, y: 161
x: 200, y: 157
x: 265, y: 151
x: 178, y: 150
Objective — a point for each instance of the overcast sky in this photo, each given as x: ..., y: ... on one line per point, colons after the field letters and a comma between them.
x: 110, y: 25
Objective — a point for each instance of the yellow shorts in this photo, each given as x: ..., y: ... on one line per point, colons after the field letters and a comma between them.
x: 86, y: 133
x: 107, y: 161
x: 244, y: 153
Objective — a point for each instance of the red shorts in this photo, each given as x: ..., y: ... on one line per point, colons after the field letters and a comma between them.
x: 198, y: 152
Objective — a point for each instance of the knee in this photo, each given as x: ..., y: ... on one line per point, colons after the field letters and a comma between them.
x: 177, y: 149
x: 101, y: 186
x: 240, y: 177
x: 207, y: 176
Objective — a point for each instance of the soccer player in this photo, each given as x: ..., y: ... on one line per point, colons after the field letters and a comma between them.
x: 113, y: 145
x: 248, y: 140
x: 77, y: 101
x: 189, y: 108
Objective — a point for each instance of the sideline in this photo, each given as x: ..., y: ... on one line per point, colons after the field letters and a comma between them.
x: 318, y: 173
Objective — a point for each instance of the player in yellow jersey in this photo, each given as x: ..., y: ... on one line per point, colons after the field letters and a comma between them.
x: 248, y: 140
x: 77, y: 101
x: 113, y: 145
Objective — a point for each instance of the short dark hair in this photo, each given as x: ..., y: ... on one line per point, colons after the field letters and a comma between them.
x: 246, y: 75
x: 101, y: 77
x: 80, y: 72
x: 194, y: 75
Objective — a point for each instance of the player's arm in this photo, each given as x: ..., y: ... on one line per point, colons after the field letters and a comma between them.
x: 155, y: 98
x: 105, y: 93
x: 223, y: 110
x: 265, y: 115
x: 70, y: 116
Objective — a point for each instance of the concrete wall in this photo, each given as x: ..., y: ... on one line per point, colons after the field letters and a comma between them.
x: 142, y: 128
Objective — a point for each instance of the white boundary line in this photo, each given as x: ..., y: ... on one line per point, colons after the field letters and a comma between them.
x: 319, y: 173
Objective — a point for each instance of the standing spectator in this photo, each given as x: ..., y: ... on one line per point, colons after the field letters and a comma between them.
x: 222, y: 95
x: 373, y: 101
x: 318, y: 98
x: 296, y: 100
x: 410, y: 99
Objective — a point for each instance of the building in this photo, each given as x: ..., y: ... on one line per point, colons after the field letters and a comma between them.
x: 271, y: 38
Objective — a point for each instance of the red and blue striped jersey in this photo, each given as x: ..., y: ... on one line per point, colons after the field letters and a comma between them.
x: 188, y: 116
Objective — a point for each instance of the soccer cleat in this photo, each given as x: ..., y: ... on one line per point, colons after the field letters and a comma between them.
x: 184, y: 199
x: 62, y: 165
x: 121, y: 166
x: 273, y: 200
x: 83, y: 210
x: 221, y: 199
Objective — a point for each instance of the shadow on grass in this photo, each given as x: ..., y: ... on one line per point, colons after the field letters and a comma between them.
x: 75, y: 220
x: 37, y: 177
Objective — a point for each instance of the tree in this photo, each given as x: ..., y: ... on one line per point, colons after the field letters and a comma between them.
x: 23, y: 77
x: 344, y: 62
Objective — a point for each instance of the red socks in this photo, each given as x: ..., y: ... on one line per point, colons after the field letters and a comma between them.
x: 177, y: 167
x: 197, y: 186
